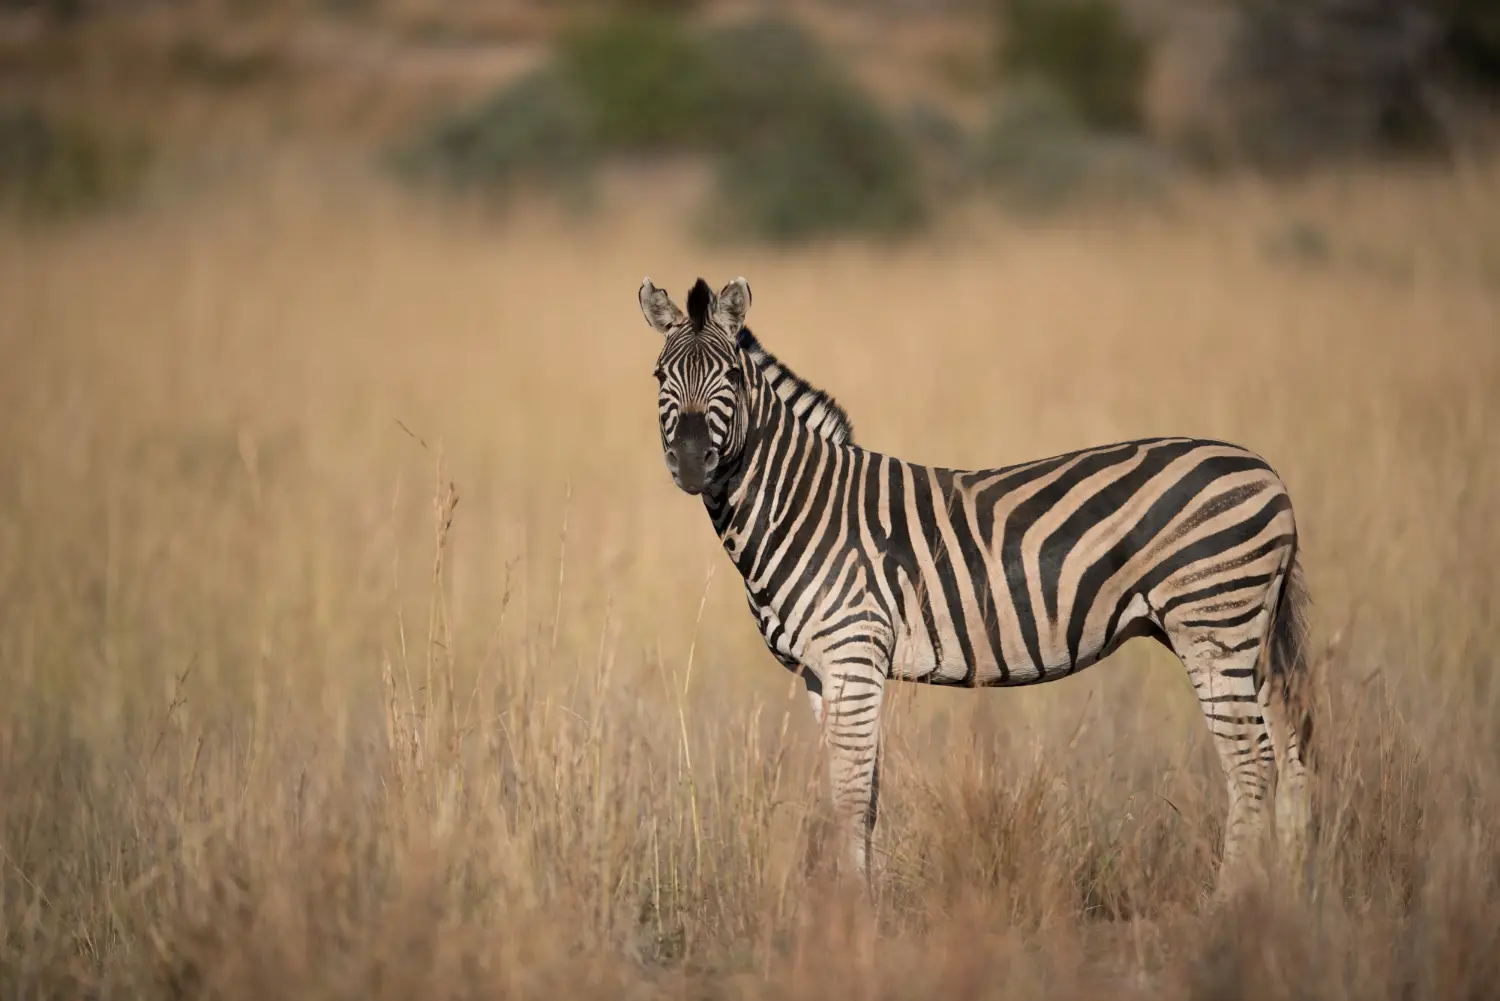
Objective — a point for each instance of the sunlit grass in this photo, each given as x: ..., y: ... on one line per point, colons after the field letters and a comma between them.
x: 357, y: 644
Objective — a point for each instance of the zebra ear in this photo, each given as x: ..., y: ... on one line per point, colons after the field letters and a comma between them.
x: 731, y: 306
x: 659, y: 309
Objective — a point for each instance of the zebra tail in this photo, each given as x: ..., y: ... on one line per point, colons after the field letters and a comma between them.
x: 1291, y: 683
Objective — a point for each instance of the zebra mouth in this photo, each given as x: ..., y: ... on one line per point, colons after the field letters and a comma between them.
x: 692, y: 462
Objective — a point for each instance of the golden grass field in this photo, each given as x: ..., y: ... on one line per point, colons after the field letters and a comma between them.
x: 281, y: 720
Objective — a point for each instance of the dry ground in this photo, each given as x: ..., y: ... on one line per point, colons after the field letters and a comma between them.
x: 249, y: 749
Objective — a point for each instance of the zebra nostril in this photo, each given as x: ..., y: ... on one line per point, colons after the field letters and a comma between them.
x: 710, y: 459
x: 672, y: 459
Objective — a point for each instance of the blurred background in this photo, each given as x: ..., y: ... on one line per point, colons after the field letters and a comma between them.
x: 811, y: 118
x: 355, y: 643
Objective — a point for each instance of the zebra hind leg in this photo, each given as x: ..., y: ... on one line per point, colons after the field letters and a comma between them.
x: 1293, y: 793
x: 1285, y: 697
x: 1223, y: 671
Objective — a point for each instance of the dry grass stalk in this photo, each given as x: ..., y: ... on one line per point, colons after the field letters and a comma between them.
x: 595, y: 782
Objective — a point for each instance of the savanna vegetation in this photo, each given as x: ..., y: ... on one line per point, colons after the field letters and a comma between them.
x: 355, y: 643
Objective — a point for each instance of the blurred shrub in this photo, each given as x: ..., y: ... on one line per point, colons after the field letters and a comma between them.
x: 224, y: 67
x: 1038, y: 154
x: 942, y: 144
x: 806, y: 151
x: 647, y: 8
x: 1085, y: 49
x: 1309, y: 81
x: 845, y: 173
x: 647, y: 82
x: 49, y: 168
x: 539, y: 128
x: 801, y: 149
x: 63, y: 11
x: 1298, y: 242
x: 1472, y: 37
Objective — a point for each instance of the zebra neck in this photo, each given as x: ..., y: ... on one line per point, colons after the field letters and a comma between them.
x: 753, y: 509
x: 813, y: 407
x: 792, y: 425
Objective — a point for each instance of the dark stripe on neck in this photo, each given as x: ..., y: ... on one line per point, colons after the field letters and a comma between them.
x: 811, y: 405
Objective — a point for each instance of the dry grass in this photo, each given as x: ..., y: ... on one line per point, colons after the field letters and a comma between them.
x: 282, y: 721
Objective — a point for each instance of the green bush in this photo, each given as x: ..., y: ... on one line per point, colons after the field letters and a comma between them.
x: 801, y: 150
x: 49, y: 168
x: 1037, y: 154
x: 770, y: 76
x: 841, y: 173
x: 1083, y: 48
x: 943, y: 146
x: 648, y: 84
x: 539, y: 128
x: 627, y: 8
x: 806, y: 152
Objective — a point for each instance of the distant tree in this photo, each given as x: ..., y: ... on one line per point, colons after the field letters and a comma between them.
x: 1316, y: 79
x: 1085, y: 49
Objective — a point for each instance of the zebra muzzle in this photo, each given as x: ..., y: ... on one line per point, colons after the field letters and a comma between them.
x: 692, y: 459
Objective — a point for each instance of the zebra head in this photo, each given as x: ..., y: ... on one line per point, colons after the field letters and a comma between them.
x: 701, y: 398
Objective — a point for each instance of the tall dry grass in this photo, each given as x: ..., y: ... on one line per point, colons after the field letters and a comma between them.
x: 355, y: 643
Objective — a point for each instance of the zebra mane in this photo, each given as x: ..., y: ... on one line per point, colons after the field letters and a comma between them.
x: 811, y: 405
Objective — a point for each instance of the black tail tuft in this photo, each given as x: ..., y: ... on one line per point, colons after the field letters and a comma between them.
x: 1289, y: 670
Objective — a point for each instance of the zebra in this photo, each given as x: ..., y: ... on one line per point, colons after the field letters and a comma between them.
x: 861, y: 568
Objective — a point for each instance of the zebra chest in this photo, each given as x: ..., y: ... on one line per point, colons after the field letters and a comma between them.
x: 798, y: 605
x: 769, y: 619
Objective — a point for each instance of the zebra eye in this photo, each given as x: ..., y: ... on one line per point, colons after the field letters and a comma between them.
x: 658, y: 375
x: 736, y: 377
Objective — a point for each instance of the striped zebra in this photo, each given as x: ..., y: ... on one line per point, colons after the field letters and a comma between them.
x: 861, y: 568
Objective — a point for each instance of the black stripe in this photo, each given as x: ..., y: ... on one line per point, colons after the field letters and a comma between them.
x: 838, y: 624
x: 1234, y: 720
x: 821, y: 532
x: 986, y: 498
x: 942, y: 560
x: 774, y: 473
x: 1157, y: 518
x: 1100, y: 506
x: 900, y: 557
x: 1225, y: 587
x: 803, y: 473
x: 1235, y: 535
x: 790, y: 469
x: 813, y: 496
x: 826, y: 628
x: 1209, y: 546
x: 871, y: 475
x: 1024, y: 515
x: 979, y: 576
x: 1229, y: 623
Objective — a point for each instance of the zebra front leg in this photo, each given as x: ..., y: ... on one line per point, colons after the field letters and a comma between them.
x: 814, y: 695
x: 810, y: 680
x: 850, y: 719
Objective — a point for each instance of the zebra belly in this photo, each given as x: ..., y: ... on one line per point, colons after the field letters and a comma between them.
x: 943, y: 649
x: 940, y: 648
